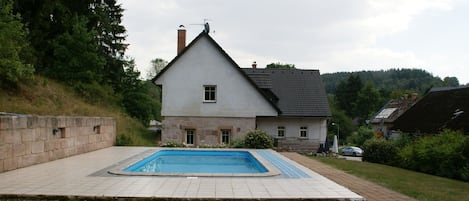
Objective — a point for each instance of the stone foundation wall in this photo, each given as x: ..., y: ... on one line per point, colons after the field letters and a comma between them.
x: 207, y: 129
x: 296, y: 145
x: 27, y: 140
x: 316, y: 132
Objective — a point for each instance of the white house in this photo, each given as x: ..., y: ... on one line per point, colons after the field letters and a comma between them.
x: 208, y: 99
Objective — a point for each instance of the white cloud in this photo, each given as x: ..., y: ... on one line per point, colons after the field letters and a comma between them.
x: 372, y: 59
x: 325, y: 35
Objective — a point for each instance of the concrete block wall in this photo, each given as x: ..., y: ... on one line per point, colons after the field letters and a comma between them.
x: 26, y: 140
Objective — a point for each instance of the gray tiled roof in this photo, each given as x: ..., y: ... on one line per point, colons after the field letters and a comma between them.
x: 295, y: 92
x: 441, y: 108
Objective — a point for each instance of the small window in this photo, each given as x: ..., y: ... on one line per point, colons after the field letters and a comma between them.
x: 190, y: 137
x: 210, y: 93
x: 303, y: 131
x: 225, y: 136
x: 281, y: 131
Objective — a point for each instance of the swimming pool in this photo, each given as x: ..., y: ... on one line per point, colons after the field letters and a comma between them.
x: 191, y: 162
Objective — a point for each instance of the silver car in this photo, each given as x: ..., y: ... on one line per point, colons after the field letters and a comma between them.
x: 352, y: 151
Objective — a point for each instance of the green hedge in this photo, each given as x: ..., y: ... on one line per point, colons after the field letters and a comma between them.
x: 380, y: 151
x: 445, y: 154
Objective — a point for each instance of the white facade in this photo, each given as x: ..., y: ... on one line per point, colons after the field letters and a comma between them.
x: 316, y: 127
x: 236, y: 107
x: 201, y: 65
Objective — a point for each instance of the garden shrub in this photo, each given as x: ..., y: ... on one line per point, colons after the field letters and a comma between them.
x: 361, y: 137
x: 445, y: 154
x: 380, y: 151
x: 173, y: 144
x: 123, y: 140
x: 212, y: 146
x: 237, y: 143
x: 258, y: 139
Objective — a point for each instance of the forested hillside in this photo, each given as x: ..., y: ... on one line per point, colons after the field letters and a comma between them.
x: 78, y: 44
x: 391, y: 80
x: 355, y: 97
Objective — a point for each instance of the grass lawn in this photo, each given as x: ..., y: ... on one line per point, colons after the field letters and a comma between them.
x: 414, y: 184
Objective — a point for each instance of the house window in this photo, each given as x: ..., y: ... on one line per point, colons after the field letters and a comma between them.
x: 190, y: 137
x: 303, y: 131
x: 281, y: 131
x: 210, y: 93
x: 225, y: 136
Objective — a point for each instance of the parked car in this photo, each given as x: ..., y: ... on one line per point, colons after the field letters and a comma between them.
x: 352, y: 151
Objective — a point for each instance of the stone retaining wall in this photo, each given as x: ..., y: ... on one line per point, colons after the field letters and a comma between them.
x: 27, y: 140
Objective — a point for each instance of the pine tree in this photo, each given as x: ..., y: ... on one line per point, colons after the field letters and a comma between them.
x: 13, y: 42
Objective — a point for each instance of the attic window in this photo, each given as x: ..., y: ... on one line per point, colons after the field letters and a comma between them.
x: 210, y: 93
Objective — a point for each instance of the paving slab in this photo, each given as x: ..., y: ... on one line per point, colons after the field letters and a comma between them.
x: 369, y: 190
x: 83, y: 176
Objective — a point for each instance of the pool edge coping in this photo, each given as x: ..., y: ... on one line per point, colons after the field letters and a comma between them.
x: 119, y: 168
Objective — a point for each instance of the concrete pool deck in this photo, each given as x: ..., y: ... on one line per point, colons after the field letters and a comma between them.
x: 75, y: 177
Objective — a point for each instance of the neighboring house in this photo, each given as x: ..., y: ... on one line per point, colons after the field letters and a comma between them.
x: 383, y: 121
x: 441, y: 108
x: 208, y: 99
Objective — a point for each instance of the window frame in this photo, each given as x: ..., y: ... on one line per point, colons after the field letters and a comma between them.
x: 281, y: 129
x: 186, y: 137
x: 212, y: 98
x: 222, y: 136
x: 305, y: 130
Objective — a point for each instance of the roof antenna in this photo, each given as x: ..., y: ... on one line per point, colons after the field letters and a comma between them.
x: 206, y: 26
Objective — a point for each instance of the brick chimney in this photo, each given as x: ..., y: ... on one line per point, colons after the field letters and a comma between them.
x: 254, y: 65
x: 181, y: 38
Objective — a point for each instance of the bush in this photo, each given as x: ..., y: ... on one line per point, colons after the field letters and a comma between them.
x: 123, y: 140
x: 380, y: 151
x: 172, y: 144
x: 258, y: 139
x: 363, y: 135
x: 237, y: 143
x: 445, y: 154
x: 212, y: 146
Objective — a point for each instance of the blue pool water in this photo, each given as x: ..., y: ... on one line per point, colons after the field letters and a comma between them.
x: 195, y: 161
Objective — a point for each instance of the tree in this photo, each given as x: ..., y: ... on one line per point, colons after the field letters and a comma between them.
x: 279, y: 65
x: 76, y: 57
x: 48, y: 20
x: 13, y: 36
x: 45, y: 20
x: 347, y: 93
x: 451, y: 81
x: 156, y: 66
x: 137, y: 101
x: 106, y: 19
x: 341, y: 120
x: 368, y: 101
x: 390, y: 80
x: 361, y: 137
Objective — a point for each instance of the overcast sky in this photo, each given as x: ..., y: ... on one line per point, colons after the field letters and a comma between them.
x: 332, y: 35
